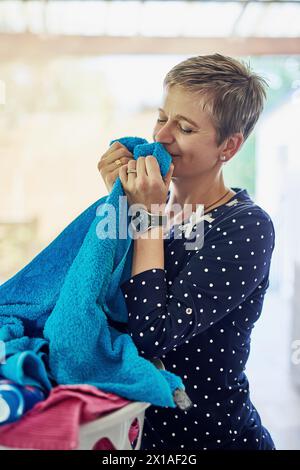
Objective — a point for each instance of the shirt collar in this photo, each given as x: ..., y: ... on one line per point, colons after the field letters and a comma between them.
x: 241, y: 195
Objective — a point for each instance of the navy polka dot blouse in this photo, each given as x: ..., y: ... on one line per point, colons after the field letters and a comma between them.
x: 197, y: 315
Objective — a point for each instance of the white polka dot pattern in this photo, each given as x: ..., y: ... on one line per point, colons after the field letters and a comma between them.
x: 197, y: 314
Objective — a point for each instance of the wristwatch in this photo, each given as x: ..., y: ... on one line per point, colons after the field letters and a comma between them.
x: 142, y: 221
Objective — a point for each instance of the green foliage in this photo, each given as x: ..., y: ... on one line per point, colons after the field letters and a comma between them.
x: 283, y: 77
x: 240, y: 171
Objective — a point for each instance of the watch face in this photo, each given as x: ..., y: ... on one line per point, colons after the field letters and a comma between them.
x: 142, y: 220
x: 139, y: 221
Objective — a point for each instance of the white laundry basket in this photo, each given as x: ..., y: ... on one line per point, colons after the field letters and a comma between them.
x: 114, y: 427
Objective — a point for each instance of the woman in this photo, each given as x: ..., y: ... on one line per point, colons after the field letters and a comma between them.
x: 195, y: 309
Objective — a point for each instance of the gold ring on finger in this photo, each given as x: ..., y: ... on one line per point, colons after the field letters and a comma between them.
x: 118, y: 162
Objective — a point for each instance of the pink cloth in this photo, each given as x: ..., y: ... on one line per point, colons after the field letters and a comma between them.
x: 53, y: 424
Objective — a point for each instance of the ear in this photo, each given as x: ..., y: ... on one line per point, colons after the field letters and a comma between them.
x: 232, y: 145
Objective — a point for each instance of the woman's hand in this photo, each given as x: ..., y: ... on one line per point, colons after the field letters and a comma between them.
x: 146, y: 186
x: 107, y: 165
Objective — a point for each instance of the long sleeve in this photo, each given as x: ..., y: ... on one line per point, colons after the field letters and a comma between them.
x: 233, y: 263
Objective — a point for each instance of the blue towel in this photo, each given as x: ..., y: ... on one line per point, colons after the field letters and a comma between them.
x: 55, y: 311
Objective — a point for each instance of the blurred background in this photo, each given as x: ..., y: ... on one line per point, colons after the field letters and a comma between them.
x: 76, y: 74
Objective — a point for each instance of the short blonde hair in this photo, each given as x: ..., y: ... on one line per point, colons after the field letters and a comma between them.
x: 235, y: 95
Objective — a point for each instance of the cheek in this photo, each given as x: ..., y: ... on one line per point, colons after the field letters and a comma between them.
x: 188, y: 147
x: 197, y: 153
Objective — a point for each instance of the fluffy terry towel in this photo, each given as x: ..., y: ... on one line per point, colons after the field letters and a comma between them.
x: 58, y: 306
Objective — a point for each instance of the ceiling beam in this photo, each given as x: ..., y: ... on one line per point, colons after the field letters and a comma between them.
x: 29, y: 46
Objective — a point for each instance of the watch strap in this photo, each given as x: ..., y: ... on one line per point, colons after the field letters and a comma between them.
x: 157, y: 220
x: 154, y: 220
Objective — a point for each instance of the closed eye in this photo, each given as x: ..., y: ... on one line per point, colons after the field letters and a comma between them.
x: 185, y: 131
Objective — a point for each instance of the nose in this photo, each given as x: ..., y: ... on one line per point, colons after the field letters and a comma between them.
x: 163, y: 135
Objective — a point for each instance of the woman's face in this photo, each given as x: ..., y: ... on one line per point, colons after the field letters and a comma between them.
x: 187, y: 133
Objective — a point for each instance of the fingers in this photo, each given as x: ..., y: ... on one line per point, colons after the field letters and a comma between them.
x: 116, y: 157
x: 168, y: 177
x: 116, y: 173
x: 122, y: 173
x: 119, y: 154
x: 132, y: 165
x: 116, y: 152
x: 152, y: 167
x: 110, y: 164
x: 140, y: 167
x: 116, y: 146
x: 115, y: 165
